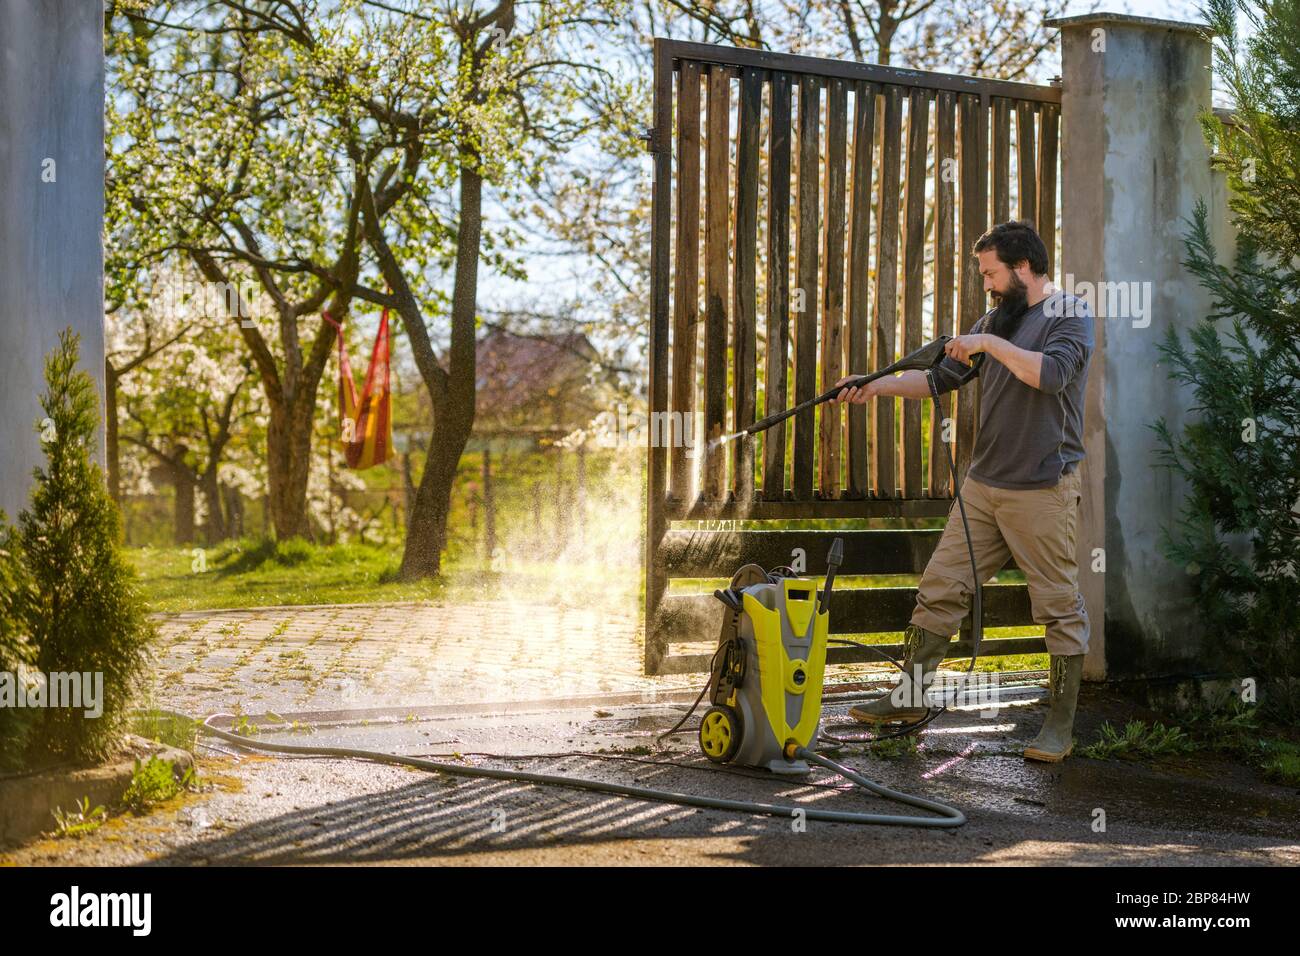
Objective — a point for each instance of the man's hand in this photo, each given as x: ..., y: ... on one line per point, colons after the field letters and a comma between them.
x: 858, y: 395
x: 963, y: 347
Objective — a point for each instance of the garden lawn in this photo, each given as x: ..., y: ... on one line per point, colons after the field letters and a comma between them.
x: 253, y: 573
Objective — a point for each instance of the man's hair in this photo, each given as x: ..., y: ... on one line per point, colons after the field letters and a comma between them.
x: 1014, y: 241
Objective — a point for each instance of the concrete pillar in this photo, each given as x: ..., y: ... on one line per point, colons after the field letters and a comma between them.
x: 51, y: 252
x: 1134, y: 163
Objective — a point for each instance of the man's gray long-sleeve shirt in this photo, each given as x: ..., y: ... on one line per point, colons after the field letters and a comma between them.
x: 1031, y: 437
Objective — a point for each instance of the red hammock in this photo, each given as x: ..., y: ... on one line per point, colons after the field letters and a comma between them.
x: 367, y: 422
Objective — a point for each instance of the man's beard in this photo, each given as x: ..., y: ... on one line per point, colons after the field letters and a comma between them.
x: 1012, y: 306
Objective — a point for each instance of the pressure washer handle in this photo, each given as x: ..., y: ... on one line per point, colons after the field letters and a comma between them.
x: 729, y: 598
x: 923, y: 358
x: 764, y: 424
x: 833, y: 561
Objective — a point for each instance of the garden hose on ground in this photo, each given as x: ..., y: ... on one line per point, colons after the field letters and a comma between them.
x: 949, y: 816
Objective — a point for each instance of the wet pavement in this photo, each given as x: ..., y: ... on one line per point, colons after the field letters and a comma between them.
x: 255, y: 809
x: 411, y: 655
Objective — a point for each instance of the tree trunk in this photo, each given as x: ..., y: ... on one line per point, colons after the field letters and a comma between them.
x: 290, y: 392
x: 408, y: 490
x: 234, y: 511
x: 454, y: 414
x: 288, y: 455
x: 183, y: 482
x: 426, y: 536
x: 214, y: 529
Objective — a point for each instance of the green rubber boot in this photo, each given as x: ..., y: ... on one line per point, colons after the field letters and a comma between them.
x: 904, y: 701
x: 1055, y: 741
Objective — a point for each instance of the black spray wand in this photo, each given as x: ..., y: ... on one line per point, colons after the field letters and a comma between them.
x: 926, y: 357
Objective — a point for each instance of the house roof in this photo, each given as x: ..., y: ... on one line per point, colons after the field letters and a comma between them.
x: 516, y: 372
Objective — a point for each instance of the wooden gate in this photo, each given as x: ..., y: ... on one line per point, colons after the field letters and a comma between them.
x: 883, y: 175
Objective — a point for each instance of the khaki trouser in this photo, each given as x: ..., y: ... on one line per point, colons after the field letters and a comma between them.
x: 1037, y: 528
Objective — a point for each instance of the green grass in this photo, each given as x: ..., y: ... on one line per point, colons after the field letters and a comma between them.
x: 154, y: 782
x: 79, y: 821
x: 255, y: 573
x: 163, y: 728
x: 1236, y: 730
x: 263, y: 573
x: 894, y: 748
x: 1233, y: 730
x: 984, y: 665
x: 1280, y: 762
x: 1006, y: 662
x: 1139, y: 741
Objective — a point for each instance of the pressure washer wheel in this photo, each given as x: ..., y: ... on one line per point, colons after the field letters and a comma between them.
x: 720, y: 732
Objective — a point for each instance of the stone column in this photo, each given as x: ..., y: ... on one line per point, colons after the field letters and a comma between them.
x: 51, y: 212
x: 1134, y: 163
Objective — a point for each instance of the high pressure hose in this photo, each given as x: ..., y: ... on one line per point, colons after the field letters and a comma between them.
x: 923, y: 359
x: 949, y: 816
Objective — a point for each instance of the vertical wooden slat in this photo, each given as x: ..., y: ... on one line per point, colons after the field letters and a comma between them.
x: 859, y: 356
x: 945, y: 192
x: 918, y: 134
x: 973, y: 395
x: 778, y: 284
x: 1051, y: 118
x: 744, y: 341
x: 686, y: 275
x: 1026, y: 163
x: 660, y: 235
x: 974, y: 220
x: 883, y: 339
x: 805, y: 305
x: 832, y: 339
x: 1001, y: 159
x: 717, y: 216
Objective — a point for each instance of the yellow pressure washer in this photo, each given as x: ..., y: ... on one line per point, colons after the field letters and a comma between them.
x: 768, y: 669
